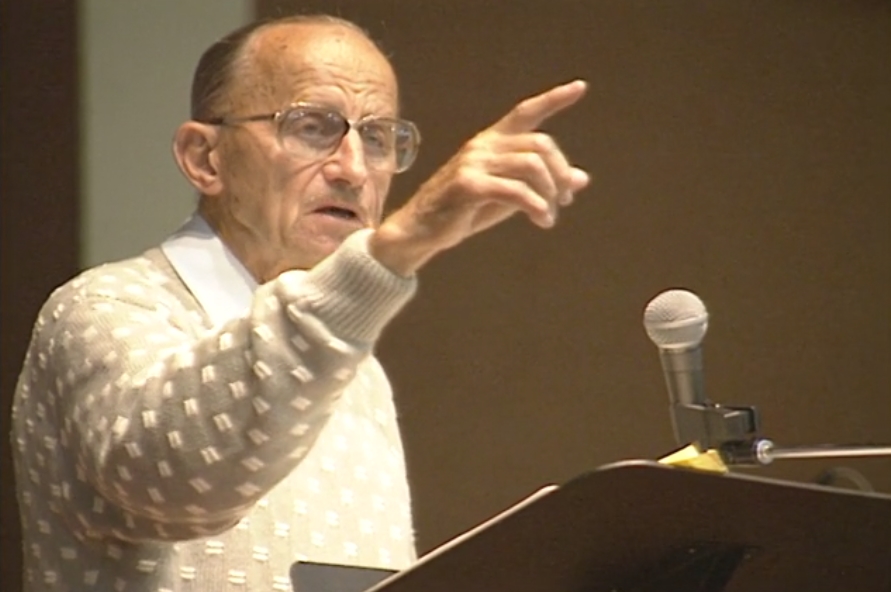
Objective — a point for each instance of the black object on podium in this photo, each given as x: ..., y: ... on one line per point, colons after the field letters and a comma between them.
x: 331, y: 577
x: 638, y: 526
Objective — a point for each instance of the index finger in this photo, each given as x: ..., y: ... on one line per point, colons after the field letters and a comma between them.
x: 530, y: 113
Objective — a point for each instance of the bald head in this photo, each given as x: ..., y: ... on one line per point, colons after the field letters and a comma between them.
x: 280, y: 63
x: 248, y: 59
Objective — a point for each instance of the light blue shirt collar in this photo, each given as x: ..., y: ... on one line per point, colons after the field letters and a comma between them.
x: 217, y: 279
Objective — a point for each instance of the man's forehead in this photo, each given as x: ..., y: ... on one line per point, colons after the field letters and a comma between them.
x: 313, y: 45
x: 285, y: 56
x: 279, y: 37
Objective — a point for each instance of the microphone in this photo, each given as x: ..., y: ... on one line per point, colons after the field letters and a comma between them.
x: 676, y: 322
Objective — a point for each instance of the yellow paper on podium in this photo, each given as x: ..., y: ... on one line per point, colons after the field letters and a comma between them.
x: 692, y: 457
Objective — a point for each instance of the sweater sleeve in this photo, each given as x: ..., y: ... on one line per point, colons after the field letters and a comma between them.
x: 165, y: 434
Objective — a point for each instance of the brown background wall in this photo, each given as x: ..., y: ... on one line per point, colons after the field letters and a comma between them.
x: 740, y: 150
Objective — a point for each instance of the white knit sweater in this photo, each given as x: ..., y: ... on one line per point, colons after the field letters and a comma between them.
x: 154, y: 453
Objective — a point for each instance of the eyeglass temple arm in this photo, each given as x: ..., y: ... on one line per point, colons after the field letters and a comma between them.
x: 233, y: 120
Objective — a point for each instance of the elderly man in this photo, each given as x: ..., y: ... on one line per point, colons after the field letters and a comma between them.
x: 202, y: 416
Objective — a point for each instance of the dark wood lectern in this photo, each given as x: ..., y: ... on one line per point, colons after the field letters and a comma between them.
x: 640, y: 526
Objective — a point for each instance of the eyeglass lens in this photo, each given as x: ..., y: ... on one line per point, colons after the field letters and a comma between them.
x: 389, y: 144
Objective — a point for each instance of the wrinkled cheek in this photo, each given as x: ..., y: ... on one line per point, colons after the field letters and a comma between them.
x: 247, y: 200
x: 379, y: 202
x: 253, y: 212
x: 376, y: 213
x: 293, y: 227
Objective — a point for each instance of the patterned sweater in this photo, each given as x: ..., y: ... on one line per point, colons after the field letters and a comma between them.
x: 155, y: 453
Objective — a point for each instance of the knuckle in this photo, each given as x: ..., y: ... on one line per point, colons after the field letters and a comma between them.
x: 475, y: 144
x: 482, y: 139
x: 467, y: 179
x: 532, y: 162
x: 544, y: 143
x: 477, y: 149
x: 523, y: 109
x: 564, y: 177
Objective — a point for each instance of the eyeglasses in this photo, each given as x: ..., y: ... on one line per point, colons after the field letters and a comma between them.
x: 312, y: 133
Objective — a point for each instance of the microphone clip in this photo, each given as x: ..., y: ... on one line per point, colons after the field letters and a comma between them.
x: 713, y: 425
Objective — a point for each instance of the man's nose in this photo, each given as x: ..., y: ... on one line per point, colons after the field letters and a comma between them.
x: 347, y: 162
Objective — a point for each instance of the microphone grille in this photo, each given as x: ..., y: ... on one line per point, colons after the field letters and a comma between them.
x: 676, y: 319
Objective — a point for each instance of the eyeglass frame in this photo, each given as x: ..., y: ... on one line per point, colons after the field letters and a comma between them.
x: 278, y: 116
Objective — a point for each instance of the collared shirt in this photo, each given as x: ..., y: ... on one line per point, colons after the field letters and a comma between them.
x: 218, y: 280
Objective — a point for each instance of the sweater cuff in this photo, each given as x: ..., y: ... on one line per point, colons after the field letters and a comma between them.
x: 353, y: 294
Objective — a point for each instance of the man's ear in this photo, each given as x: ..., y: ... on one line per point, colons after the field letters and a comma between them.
x: 193, y: 147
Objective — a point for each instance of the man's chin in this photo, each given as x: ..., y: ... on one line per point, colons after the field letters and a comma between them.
x: 309, y: 253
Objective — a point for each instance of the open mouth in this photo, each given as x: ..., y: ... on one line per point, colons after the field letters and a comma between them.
x: 338, y: 212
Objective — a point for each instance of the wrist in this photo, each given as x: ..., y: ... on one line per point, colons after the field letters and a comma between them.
x: 398, y: 250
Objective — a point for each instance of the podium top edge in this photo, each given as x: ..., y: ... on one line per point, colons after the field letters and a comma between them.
x: 652, y: 465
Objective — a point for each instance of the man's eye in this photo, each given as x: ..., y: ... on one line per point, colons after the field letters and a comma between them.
x: 377, y: 137
x: 311, y: 126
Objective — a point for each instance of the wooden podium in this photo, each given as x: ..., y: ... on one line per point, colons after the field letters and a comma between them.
x: 639, y: 526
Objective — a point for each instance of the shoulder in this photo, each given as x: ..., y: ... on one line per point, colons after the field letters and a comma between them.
x: 144, y: 283
x: 111, y: 280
